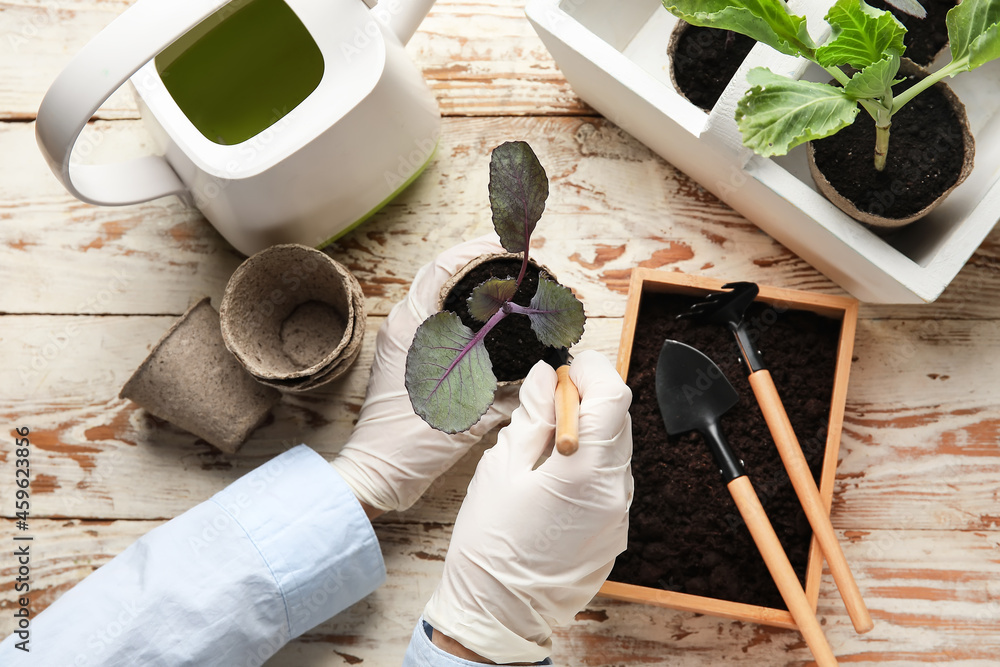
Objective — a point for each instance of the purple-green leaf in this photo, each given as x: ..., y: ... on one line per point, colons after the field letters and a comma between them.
x: 489, y: 296
x: 449, y: 376
x: 556, y: 315
x: 518, y: 190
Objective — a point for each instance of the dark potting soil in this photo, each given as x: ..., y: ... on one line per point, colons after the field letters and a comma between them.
x: 924, y: 37
x: 924, y: 160
x: 704, y: 60
x: 512, y: 344
x: 685, y: 532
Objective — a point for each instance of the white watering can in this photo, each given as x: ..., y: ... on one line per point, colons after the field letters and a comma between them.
x: 284, y: 121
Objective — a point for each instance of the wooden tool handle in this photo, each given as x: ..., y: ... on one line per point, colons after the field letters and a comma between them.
x: 805, y: 487
x: 567, y: 413
x: 781, y: 570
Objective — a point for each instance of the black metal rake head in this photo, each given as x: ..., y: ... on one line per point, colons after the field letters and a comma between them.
x: 725, y: 308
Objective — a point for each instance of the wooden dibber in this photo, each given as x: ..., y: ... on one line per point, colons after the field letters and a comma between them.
x: 805, y: 488
x: 567, y: 412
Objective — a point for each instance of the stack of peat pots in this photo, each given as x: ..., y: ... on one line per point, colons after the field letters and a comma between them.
x: 292, y: 320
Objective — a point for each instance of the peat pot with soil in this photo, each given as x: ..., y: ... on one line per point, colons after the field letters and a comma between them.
x: 912, y: 146
x: 501, y: 313
x: 688, y: 547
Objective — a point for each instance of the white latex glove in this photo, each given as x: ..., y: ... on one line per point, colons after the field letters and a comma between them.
x: 531, y: 547
x: 393, y: 455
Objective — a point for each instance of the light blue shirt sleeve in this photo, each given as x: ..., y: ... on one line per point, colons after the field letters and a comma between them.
x: 422, y: 653
x: 227, y: 583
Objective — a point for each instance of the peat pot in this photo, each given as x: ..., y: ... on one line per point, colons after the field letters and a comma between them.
x: 191, y: 380
x: 294, y: 317
x: 703, y: 60
x: 931, y: 152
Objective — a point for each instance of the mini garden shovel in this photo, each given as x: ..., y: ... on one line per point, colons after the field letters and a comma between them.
x: 693, y: 394
x: 728, y: 308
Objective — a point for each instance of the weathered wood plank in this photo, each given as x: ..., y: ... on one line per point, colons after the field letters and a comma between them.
x: 605, y: 188
x: 922, y: 424
x: 927, y: 608
x: 62, y: 382
x: 479, y: 58
x: 613, y: 205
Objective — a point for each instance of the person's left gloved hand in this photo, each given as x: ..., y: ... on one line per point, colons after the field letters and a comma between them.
x: 393, y: 455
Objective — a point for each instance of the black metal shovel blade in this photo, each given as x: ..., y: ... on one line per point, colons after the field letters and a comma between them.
x: 691, y: 390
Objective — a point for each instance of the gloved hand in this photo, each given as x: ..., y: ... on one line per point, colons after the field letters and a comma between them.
x: 392, y: 455
x: 531, y: 547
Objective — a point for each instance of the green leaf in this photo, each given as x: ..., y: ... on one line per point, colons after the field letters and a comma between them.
x: 767, y: 21
x: 487, y: 298
x: 518, y: 190
x: 874, y: 81
x: 556, y: 315
x: 449, y: 376
x: 779, y: 113
x: 911, y: 7
x: 973, y: 32
x: 861, y: 35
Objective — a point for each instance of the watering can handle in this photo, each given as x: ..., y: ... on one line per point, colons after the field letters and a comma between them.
x: 109, y: 60
x: 97, y: 71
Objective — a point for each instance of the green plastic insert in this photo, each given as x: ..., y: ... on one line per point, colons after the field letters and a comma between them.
x: 242, y: 69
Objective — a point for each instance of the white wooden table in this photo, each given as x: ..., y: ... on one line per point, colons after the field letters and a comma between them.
x: 86, y: 291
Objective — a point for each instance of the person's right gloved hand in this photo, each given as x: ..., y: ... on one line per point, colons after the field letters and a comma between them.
x: 532, y: 546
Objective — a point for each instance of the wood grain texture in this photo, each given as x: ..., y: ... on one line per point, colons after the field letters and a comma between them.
x: 613, y: 205
x: 478, y: 57
x: 86, y: 291
x: 91, y: 446
x: 928, y: 608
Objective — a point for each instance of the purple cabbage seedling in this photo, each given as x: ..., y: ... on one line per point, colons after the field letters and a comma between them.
x: 449, y: 374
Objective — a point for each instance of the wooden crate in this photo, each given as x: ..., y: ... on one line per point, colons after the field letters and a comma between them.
x: 845, y: 309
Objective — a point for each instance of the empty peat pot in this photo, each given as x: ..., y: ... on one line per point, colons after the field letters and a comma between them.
x: 294, y: 317
x: 191, y: 380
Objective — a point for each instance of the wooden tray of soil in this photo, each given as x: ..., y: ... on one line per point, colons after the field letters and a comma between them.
x: 688, y: 547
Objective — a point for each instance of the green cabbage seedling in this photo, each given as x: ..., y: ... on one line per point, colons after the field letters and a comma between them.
x: 449, y: 375
x: 779, y: 113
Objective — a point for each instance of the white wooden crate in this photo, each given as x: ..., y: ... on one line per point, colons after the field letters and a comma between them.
x: 614, y: 56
